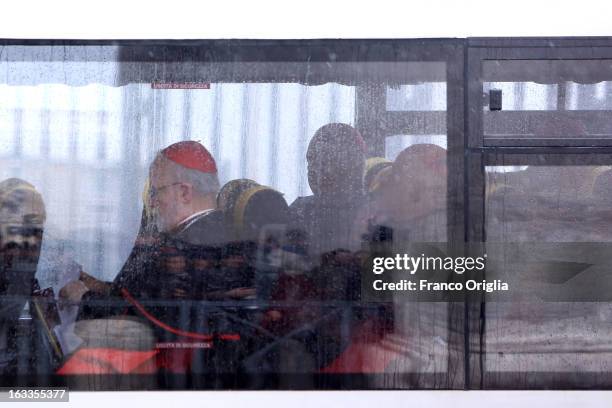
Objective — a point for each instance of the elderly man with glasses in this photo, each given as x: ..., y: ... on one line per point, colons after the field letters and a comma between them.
x: 180, y: 208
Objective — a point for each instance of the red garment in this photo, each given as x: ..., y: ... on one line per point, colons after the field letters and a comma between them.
x: 290, y: 288
x: 110, y: 361
x: 191, y: 155
x: 365, y: 353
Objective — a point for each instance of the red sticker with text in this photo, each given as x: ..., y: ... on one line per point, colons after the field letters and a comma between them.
x: 180, y: 85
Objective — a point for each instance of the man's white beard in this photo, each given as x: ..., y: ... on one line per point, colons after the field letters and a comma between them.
x: 158, y: 220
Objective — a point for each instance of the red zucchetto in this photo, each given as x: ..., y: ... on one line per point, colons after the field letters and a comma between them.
x: 191, y: 155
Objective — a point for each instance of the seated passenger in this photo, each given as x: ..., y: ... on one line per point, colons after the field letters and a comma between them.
x: 228, y: 194
x: 183, y: 189
x: 412, y: 197
x: 235, y: 278
x: 22, y: 215
x: 204, y: 264
x: 336, y: 160
x: 250, y: 207
x: 173, y: 271
x: 254, y: 213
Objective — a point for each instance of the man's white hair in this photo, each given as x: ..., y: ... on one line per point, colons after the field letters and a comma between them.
x: 202, y: 183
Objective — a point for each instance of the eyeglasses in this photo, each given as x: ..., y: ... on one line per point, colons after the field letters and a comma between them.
x: 154, y: 191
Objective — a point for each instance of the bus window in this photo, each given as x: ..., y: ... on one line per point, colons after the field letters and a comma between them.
x: 546, y: 100
x: 552, y: 222
x: 208, y: 221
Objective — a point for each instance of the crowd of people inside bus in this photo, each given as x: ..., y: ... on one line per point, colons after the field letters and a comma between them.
x: 242, y: 241
x: 265, y: 273
x: 268, y: 261
x: 264, y: 261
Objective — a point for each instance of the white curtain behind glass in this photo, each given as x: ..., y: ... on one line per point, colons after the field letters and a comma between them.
x: 87, y: 150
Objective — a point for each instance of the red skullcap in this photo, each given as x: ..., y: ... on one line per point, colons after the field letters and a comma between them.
x: 192, y: 155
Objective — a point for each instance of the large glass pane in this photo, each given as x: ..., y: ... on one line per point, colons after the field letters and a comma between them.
x: 211, y: 221
x: 552, y: 226
x: 538, y: 100
x: 421, y: 97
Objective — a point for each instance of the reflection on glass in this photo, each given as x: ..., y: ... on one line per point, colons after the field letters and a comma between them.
x: 421, y: 97
x: 589, y: 96
x: 548, y: 204
x: 540, y: 206
x: 547, y: 99
x: 395, y: 144
x: 524, y: 96
x: 197, y: 233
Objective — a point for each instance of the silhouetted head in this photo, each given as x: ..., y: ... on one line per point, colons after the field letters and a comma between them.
x: 336, y: 160
x: 416, y: 185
